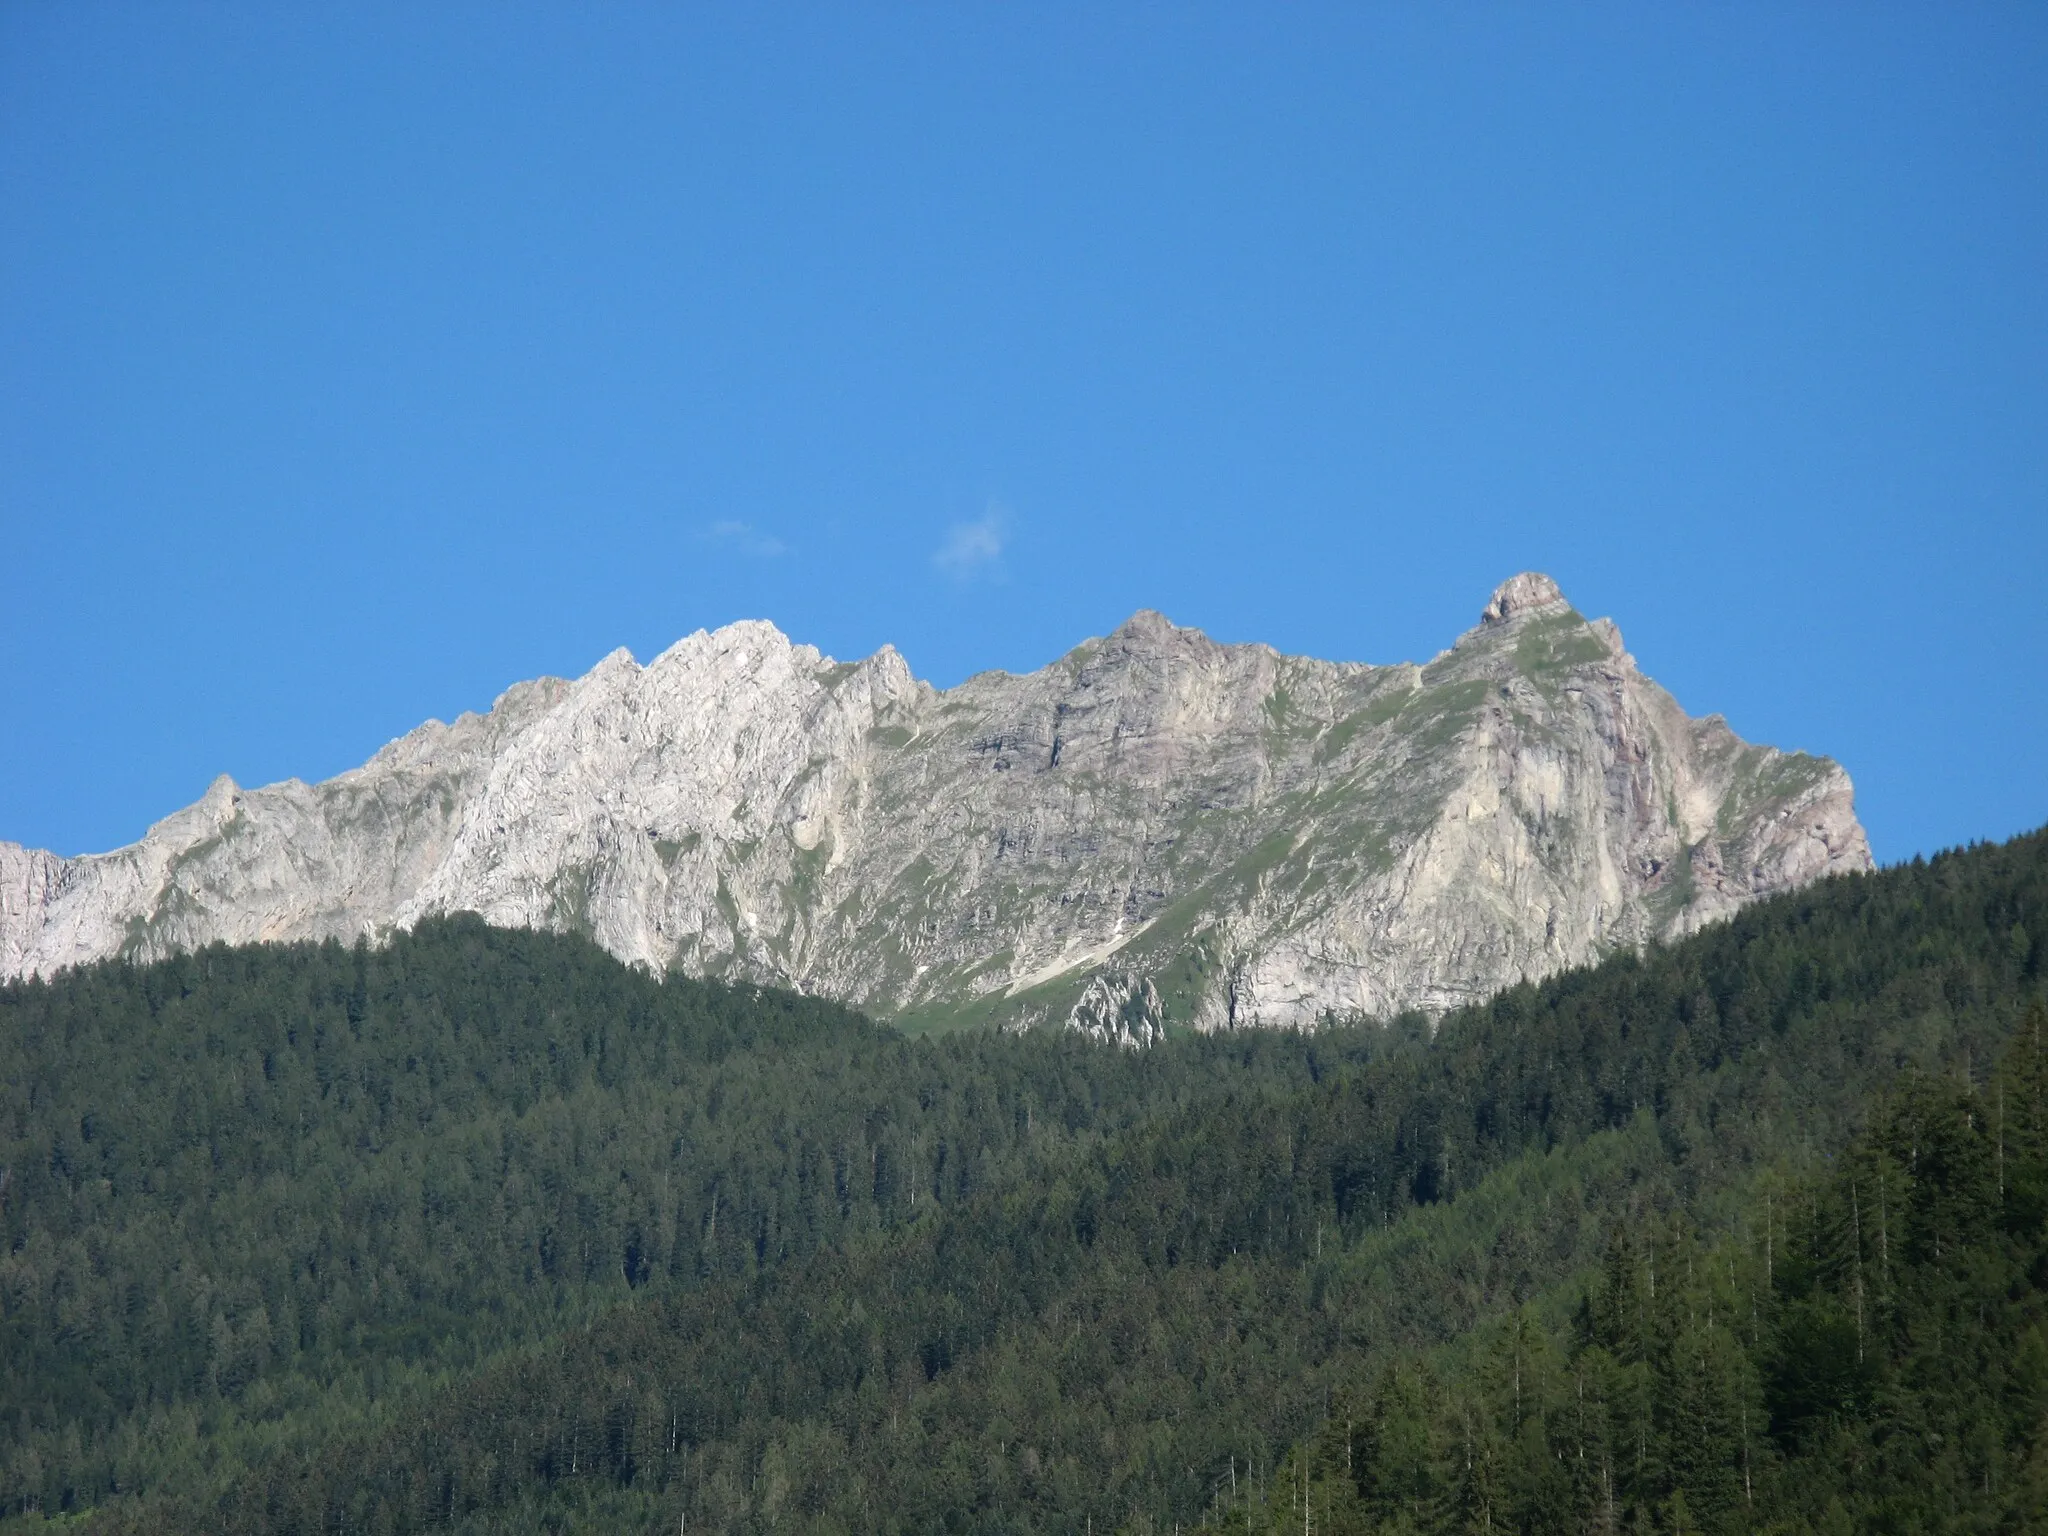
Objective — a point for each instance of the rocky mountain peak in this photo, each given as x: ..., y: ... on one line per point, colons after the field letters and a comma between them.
x: 1157, y: 831
x: 1530, y: 592
x: 205, y: 816
x: 1148, y: 654
x: 1147, y: 631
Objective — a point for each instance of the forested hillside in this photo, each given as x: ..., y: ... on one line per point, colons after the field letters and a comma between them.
x: 484, y: 1231
x: 1864, y: 1350
x: 260, y: 1187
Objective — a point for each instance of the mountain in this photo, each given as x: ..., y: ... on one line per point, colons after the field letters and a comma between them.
x: 1154, y: 829
x: 481, y: 1231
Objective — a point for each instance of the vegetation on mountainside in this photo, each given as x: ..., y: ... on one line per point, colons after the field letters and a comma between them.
x: 254, y: 1192
x: 1866, y: 1351
x: 1030, y: 1284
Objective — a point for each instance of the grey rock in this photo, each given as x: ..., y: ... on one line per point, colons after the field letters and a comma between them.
x: 1154, y: 829
x: 1118, y: 1008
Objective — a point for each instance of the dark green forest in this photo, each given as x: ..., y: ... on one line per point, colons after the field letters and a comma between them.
x: 483, y: 1231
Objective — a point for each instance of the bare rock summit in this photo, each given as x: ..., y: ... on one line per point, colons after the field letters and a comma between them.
x: 1530, y: 592
x: 1154, y: 831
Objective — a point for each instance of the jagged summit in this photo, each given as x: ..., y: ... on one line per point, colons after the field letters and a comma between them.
x: 1145, y: 624
x: 1152, y: 625
x: 1156, y: 829
x: 1530, y: 592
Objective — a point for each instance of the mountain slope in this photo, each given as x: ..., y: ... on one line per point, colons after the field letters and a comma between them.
x: 1113, y: 1324
x: 1154, y: 828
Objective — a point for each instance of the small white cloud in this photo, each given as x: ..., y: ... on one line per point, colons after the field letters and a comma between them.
x: 973, y: 547
x: 743, y: 538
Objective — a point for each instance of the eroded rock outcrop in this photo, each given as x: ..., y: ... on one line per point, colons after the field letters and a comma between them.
x: 1241, y: 837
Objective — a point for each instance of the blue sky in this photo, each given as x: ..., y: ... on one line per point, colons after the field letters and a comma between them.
x: 357, y: 361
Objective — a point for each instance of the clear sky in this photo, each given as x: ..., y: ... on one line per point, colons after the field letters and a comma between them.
x: 359, y: 360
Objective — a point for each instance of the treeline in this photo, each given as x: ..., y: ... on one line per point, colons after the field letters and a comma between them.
x: 1125, y: 1285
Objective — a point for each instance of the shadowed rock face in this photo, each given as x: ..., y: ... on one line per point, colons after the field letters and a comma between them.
x: 1155, y: 828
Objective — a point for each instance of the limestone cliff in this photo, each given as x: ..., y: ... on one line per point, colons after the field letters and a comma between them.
x: 1154, y: 829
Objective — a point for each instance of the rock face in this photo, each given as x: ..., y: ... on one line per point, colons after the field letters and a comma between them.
x: 1155, y: 829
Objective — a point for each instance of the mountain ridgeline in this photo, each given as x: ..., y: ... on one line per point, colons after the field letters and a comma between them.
x: 482, y: 1230
x: 1155, y: 831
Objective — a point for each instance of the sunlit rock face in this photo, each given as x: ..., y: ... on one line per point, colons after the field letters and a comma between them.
x: 1155, y: 831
